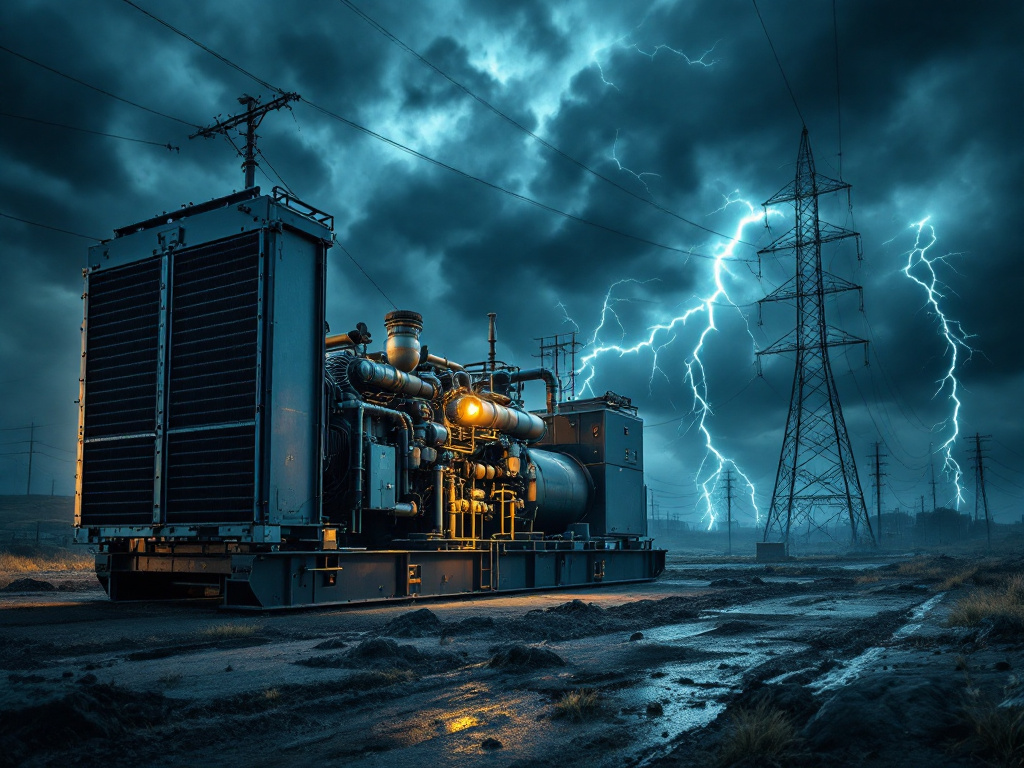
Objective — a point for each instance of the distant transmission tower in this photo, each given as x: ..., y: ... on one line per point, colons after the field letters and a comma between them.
x: 817, y: 479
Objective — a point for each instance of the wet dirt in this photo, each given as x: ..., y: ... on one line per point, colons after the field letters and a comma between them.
x: 857, y: 654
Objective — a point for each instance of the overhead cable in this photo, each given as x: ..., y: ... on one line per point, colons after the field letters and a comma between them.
x: 86, y: 130
x: 380, y: 28
x: 55, y: 229
x: 434, y: 161
x: 785, y: 79
x: 95, y: 88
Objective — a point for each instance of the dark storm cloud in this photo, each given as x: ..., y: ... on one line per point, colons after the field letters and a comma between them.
x: 931, y: 102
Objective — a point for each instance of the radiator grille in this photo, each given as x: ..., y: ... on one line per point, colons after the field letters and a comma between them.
x: 121, y: 352
x: 117, y: 482
x: 211, y: 475
x: 214, y: 333
x: 212, y: 383
x: 120, y: 395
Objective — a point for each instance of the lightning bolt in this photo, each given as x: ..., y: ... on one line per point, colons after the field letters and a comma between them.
x: 920, y: 263
x: 638, y: 176
x: 651, y: 54
x: 661, y: 335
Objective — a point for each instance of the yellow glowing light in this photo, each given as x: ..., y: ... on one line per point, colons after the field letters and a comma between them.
x: 461, y: 723
x: 472, y: 408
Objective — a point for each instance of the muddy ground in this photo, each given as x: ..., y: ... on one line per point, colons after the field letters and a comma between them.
x: 856, y: 655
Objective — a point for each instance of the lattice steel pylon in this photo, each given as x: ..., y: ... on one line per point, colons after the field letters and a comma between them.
x: 816, y: 483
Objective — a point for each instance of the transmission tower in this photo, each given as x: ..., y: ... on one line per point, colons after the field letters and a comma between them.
x: 817, y: 479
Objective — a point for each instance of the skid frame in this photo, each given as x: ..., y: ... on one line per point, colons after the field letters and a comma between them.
x: 268, y: 580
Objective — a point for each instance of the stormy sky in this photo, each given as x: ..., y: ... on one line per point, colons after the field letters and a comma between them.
x: 672, y: 114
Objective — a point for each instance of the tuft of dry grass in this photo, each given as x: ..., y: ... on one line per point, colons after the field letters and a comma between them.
x: 170, y: 680
x: 1006, y: 602
x: 997, y: 733
x: 271, y: 694
x: 763, y: 735
x: 577, y: 706
x: 65, y: 561
x: 956, y: 579
x: 922, y: 568
x: 228, y: 631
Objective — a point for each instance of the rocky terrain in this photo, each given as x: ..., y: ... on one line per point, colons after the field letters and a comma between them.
x: 835, y: 662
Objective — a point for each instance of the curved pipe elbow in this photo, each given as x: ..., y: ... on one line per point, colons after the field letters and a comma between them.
x: 550, y: 384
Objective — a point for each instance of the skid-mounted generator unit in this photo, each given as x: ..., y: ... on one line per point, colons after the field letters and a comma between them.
x: 229, y: 445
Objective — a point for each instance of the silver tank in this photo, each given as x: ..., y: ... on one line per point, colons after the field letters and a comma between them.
x: 564, y: 491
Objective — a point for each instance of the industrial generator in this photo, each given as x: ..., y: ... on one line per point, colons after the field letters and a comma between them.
x: 230, y: 445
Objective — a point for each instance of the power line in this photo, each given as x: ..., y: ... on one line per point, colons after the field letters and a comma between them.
x: 839, y: 102
x: 95, y: 88
x: 86, y: 130
x: 210, y: 51
x: 55, y: 229
x: 509, y: 192
x: 360, y: 266
x: 427, y: 158
x: 380, y: 28
x: 777, y: 61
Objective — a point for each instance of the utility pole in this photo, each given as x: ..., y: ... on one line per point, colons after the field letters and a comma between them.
x: 252, y: 117
x: 31, y: 450
x: 931, y: 464
x: 878, y: 489
x: 817, y: 477
x: 728, y: 504
x: 979, y: 476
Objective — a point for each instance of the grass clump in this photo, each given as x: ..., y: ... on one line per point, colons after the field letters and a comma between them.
x: 228, y: 631
x: 577, y: 706
x: 62, y: 561
x: 763, y: 735
x: 997, y: 733
x: 956, y: 580
x: 170, y: 680
x: 1003, y: 603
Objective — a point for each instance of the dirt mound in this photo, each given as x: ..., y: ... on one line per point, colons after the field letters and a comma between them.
x: 29, y: 585
x: 413, y: 624
x: 522, y: 658
x: 577, y: 609
x: 380, y: 652
x: 729, y: 583
x: 95, y: 711
x: 888, y: 712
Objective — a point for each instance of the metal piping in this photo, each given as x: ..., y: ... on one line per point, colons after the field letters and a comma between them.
x: 338, y: 340
x: 492, y: 338
x: 473, y: 411
x: 403, y: 442
x: 367, y: 374
x: 444, y: 362
x: 550, y: 384
x: 439, y: 500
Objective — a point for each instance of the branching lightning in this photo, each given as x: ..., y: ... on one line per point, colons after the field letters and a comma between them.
x: 956, y: 338
x: 710, y: 471
x: 638, y: 176
x: 701, y: 61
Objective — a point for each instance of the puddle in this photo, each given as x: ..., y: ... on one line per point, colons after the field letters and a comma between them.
x: 855, y: 667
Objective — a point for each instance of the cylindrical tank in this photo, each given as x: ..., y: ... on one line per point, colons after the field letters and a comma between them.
x: 564, y: 491
x: 403, y: 347
x: 474, y: 411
